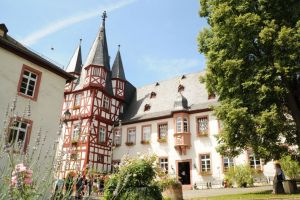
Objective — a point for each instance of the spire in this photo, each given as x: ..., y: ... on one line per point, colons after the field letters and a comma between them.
x: 75, y: 63
x: 98, y: 54
x: 117, y: 68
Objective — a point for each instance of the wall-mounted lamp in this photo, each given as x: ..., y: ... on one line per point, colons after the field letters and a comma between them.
x: 67, y: 116
x: 195, y: 167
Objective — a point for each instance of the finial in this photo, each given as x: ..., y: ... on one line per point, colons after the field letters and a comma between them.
x: 104, y: 16
x: 80, y: 40
x: 119, y: 47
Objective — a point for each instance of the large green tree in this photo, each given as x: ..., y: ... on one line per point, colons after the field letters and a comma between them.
x: 253, y: 65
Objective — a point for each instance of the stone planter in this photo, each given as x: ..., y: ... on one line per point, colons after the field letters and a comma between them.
x: 290, y: 186
x: 173, y: 192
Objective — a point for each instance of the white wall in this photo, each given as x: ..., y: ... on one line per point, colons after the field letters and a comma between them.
x: 199, y: 145
x: 45, y: 112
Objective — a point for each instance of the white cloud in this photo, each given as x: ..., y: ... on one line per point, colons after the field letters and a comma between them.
x: 170, y: 67
x: 63, y: 23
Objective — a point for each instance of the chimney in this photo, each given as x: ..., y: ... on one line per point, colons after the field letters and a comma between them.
x: 3, y: 30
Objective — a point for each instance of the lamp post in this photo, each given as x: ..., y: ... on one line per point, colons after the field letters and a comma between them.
x: 67, y: 116
x: 113, y: 141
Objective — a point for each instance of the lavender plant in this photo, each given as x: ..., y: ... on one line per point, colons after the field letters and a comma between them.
x: 26, y: 172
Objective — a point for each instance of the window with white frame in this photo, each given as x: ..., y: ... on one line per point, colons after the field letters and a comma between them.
x: 162, y: 131
x: 185, y: 125
x: 77, y: 100
x: 105, y: 103
x: 179, y: 124
x: 17, y: 132
x: 28, y: 83
x: 76, y: 132
x: 227, y: 163
x: 202, y: 125
x: 117, y: 137
x: 102, y: 134
x: 164, y: 164
x: 131, y: 135
x: 146, y: 133
x: 205, y: 163
x: 254, y: 162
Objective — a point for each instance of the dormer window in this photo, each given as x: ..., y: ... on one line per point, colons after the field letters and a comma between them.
x: 183, y: 77
x: 211, y: 96
x: 152, y: 95
x: 180, y: 88
x: 147, y: 107
x: 157, y: 84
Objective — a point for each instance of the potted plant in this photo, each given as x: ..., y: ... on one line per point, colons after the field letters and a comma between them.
x: 145, y: 142
x: 129, y: 143
x: 172, y: 188
x: 162, y: 140
x: 291, y: 169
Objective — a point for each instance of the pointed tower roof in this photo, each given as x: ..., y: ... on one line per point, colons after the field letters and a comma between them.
x: 117, y: 68
x: 98, y: 54
x: 75, y: 63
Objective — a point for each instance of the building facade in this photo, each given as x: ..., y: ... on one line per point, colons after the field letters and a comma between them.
x: 30, y: 79
x: 110, y: 118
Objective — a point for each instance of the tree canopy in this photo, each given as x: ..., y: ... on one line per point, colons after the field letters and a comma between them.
x: 253, y: 65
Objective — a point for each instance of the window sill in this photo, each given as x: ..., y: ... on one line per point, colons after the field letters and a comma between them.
x: 162, y: 140
x: 33, y: 98
x: 202, y: 134
x: 130, y: 143
x: 205, y: 173
x: 76, y: 107
x: 145, y: 142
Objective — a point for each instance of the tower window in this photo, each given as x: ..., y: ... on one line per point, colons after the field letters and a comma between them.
x: 105, y: 103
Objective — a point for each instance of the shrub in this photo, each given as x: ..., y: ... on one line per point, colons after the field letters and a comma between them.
x: 290, y: 167
x: 241, y: 175
x: 135, y: 179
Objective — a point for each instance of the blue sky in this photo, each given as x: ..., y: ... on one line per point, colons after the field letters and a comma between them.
x: 157, y: 37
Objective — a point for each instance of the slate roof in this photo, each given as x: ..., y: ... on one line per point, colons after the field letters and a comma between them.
x: 194, y: 94
x: 98, y: 54
x: 75, y: 63
x: 12, y: 45
x: 117, y: 68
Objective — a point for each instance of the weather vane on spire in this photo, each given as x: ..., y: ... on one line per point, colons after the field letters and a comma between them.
x: 104, y: 16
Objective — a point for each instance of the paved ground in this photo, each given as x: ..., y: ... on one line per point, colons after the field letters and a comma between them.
x: 189, y: 194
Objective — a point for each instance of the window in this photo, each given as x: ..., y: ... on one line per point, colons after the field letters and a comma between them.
x: 205, y: 163
x: 152, y: 95
x: 227, y: 163
x: 185, y: 125
x: 162, y: 131
x: 211, y: 96
x: 77, y: 101
x: 105, y: 103
x: 19, y: 132
x: 146, y: 134
x: 117, y: 137
x: 96, y: 71
x: 102, y: 134
x: 121, y: 108
x: 182, y: 125
x: 131, y: 136
x: 254, y: 162
x: 179, y: 124
x: 180, y: 88
x: 76, y: 132
x: 147, y: 107
x: 202, y: 125
x: 164, y: 165
x: 120, y: 84
x: 29, y: 82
